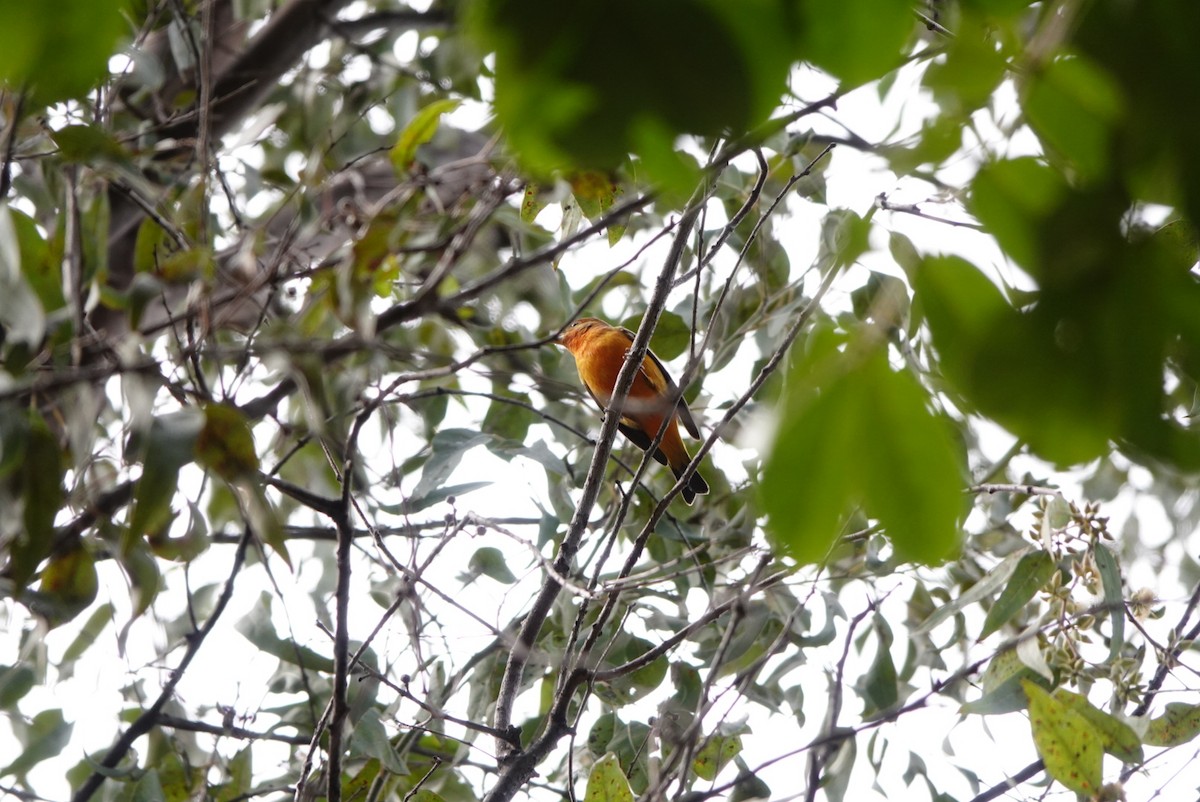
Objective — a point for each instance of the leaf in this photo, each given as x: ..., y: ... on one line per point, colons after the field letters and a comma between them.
x: 371, y: 739
x: 58, y: 54
x: 607, y: 783
x: 972, y: 68
x: 1002, y: 685
x: 68, y: 585
x: 912, y: 470
x: 564, y: 101
x: 636, y: 684
x: 258, y: 630
x: 168, y: 445
x: 1114, y: 598
x: 21, y: 314
x: 594, y: 191
x: 985, y: 588
x: 420, y: 129
x: 508, y: 421
x: 15, y: 682
x: 1067, y: 742
x: 142, y: 570
x: 1032, y: 572
x: 717, y: 752
x: 749, y: 786
x: 489, y: 561
x: 225, y: 444
x: 601, y: 733
x: 41, y: 475
x: 855, y: 40
x: 446, y: 451
x: 1175, y: 727
x: 97, y: 622
x: 671, y: 337
x: 241, y: 777
x: 531, y: 204
x: 880, y: 687
x: 44, y: 738
x: 88, y: 144
x: 1072, y: 106
x: 1117, y: 737
x: 868, y: 438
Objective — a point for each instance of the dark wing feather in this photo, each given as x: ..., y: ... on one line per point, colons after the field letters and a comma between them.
x: 671, y: 391
x: 635, y: 435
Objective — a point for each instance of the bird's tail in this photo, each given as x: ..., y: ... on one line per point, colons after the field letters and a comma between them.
x: 696, y: 485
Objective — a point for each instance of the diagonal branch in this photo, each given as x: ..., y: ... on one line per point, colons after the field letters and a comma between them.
x: 150, y: 716
x: 519, y: 766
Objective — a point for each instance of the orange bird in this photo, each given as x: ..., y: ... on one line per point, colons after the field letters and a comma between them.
x: 599, y: 350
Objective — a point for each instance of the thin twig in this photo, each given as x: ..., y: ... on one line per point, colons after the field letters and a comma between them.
x: 149, y: 717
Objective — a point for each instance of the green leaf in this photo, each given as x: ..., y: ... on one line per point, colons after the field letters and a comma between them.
x: 258, y: 630
x: 868, y: 438
x: 880, y: 686
x: 748, y: 787
x: 88, y: 144
x: 805, y: 505
x: 21, y: 314
x: 1013, y: 367
x: 1011, y: 198
x: 58, y: 52
x: 168, y: 445
x: 607, y: 783
x: 68, y: 585
x: 636, y: 684
x: 1002, y: 684
x: 446, y: 450
x: 717, y: 752
x: 420, y: 129
x: 489, y: 561
x: 971, y: 70
x: 1114, y: 598
x: 564, y: 98
x: 601, y: 733
x: 531, y: 204
x: 97, y: 622
x: 1067, y: 742
x: 15, y: 682
x: 911, y: 470
x: 225, y: 444
x: 436, y: 496
x: 43, y: 738
x: 1175, y: 727
x: 1034, y: 570
x: 985, y: 588
x: 1072, y: 106
x: 142, y: 571
x: 508, y: 421
x: 855, y: 40
x: 40, y: 480
x: 671, y: 337
x: 371, y: 739
x: 1117, y: 737
x: 149, y: 788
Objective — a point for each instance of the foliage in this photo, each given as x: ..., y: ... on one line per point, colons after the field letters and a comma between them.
x: 298, y: 499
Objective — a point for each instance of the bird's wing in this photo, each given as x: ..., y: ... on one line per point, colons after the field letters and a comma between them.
x: 631, y: 430
x: 665, y: 385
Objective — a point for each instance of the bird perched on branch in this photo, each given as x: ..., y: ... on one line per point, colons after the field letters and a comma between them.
x: 599, y: 350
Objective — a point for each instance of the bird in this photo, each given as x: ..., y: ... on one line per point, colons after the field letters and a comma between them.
x: 599, y: 350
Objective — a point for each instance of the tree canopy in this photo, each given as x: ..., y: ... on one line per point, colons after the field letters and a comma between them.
x: 299, y: 498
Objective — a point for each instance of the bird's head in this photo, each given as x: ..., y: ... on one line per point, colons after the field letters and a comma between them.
x: 578, y: 330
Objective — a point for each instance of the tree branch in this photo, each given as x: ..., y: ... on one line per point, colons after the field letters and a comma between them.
x: 150, y: 716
